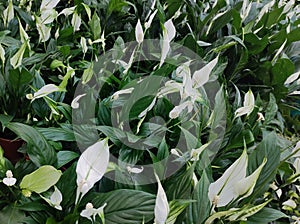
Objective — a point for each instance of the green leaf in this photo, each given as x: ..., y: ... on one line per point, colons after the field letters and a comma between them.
x: 40, y: 180
x: 57, y: 134
x: 282, y: 69
x: 39, y: 150
x: 87, y: 74
x: 126, y: 206
x: 67, y: 186
x: 11, y: 215
x: 199, y: 211
x: 266, y: 215
x: 268, y: 148
x: 179, y: 185
x: 95, y: 26
x: 64, y: 157
x: 271, y: 109
x: 176, y: 208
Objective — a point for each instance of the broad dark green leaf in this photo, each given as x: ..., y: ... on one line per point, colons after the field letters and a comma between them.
x: 268, y: 148
x: 282, y: 69
x: 126, y: 206
x: 266, y: 215
x: 39, y: 150
x: 199, y: 210
x: 64, y: 157
x: 11, y: 215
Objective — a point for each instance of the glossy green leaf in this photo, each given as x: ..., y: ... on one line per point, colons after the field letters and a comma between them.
x: 136, y: 206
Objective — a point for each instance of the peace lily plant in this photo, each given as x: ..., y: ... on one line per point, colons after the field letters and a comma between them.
x: 173, y: 138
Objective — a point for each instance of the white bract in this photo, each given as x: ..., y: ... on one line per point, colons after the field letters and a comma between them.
x: 91, y: 167
x: 290, y: 203
x: 296, y: 164
x: 234, y: 183
x: 48, y: 4
x: 139, y: 33
x: 76, y: 21
x: 292, y: 78
x: 2, y: 54
x: 201, y: 76
x: 45, y: 90
x: 260, y: 117
x: 162, y: 209
x: 170, y: 30
x: 43, y: 30
x: 55, y: 199
x: 16, y: 60
x: 296, y: 150
x: 148, y: 23
x: 248, y: 105
x: 75, y: 103
x: 134, y: 169
x: 48, y: 16
x: 90, y: 212
x: 9, y: 180
x: 83, y: 45
x: 8, y: 13
x: 120, y: 92
x: 169, y: 33
x: 175, y: 112
x: 195, y: 153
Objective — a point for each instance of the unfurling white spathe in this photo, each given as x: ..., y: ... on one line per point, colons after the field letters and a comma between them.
x: 162, y: 209
x: 91, y: 166
x: 292, y: 78
x: 170, y: 28
x: 248, y: 105
x: 201, y: 76
x: 75, y: 103
x: 48, y: 4
x: 234, y: 183
x: 55, y: 199
x: 45, y: 90
x: 139, y: 33
x: 9, y: 180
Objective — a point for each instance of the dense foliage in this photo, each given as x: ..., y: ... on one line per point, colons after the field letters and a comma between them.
x: 157, y: 111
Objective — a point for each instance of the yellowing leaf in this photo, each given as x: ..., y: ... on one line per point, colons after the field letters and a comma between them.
x: 40, y: 180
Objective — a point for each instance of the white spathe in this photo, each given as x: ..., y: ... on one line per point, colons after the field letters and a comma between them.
x: 162, y: 209
x: 91, y: 166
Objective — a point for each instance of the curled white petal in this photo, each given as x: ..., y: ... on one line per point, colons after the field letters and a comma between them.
x: 9, y: 181
x: 91, y: 167
x: 120, y: 92
x: 134, y: 169
x: 139, y: 33
x: 171, y: 31
x: 45, y: 90
x: 292, y: 78
x: 260, y: 117
x: 162, y: 208
x: 148, y: 23
x: 290, y: 203
x: 75, y: 103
